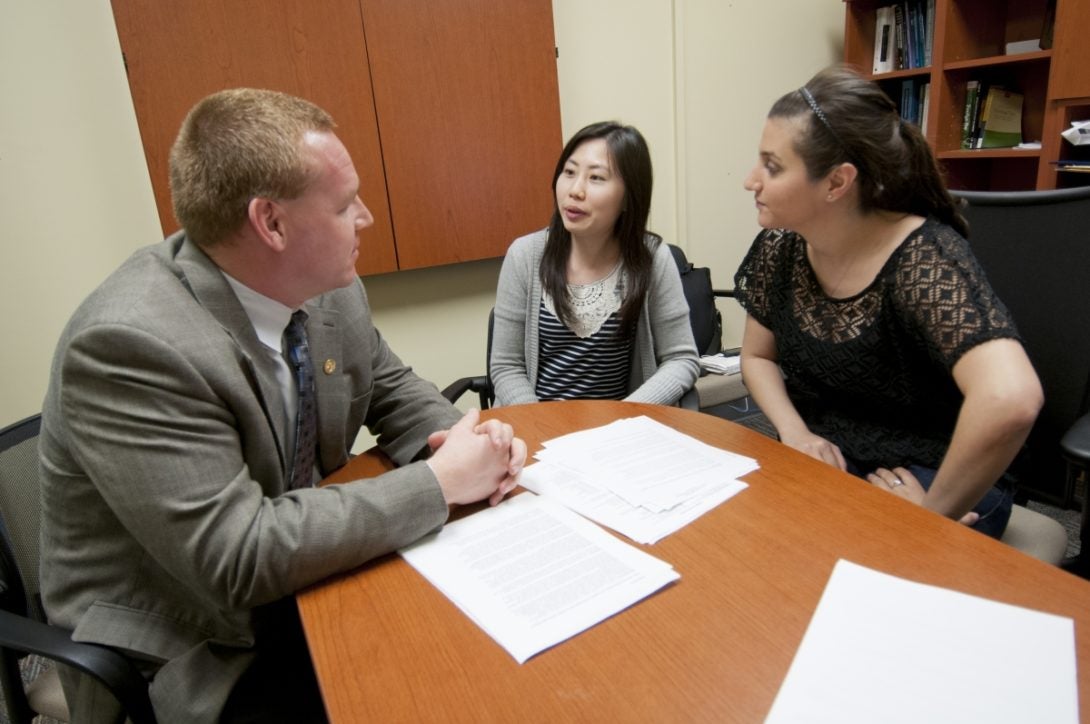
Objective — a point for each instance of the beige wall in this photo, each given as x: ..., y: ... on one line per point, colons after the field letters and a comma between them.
x: 74, y: 193
x: 616, y: 62
x: 734, y: 59
x: 696, y: 76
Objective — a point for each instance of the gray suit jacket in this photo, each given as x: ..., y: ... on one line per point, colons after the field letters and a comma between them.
x: 165, y: 515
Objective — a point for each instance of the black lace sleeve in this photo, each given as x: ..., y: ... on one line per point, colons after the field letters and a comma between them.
x: 944, y: 296
x: 760, y: 279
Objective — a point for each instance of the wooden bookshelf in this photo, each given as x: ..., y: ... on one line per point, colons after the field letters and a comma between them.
x: 969, y: 41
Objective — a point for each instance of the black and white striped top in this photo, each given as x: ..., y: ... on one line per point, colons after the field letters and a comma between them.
x: 573, y: 367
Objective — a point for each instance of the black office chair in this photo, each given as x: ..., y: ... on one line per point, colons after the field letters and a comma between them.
x: 23, y: 627
x: 1033, y: 247
x: 706, y: 321
x: 707, y: 327
x: 481, y: 384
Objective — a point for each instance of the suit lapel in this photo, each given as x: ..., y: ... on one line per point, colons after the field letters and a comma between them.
x: 211, y: 290
x: 330, y: 383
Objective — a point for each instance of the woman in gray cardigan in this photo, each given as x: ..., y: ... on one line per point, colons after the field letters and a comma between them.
x: 592, y: 306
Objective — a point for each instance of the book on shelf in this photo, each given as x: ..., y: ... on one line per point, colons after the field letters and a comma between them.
x: 884, y: 42
x: 1072, y: 165
x: 1022, y: 46
x: 915, y: 27
x: 903, y: 35
x: 925, y: 105
x: 909, y: 105
x: 913, y: 102
x: 968, y: 121
x: 900, y: 38
x: 929, y: 32
x: 1001, y: 120
x: 983, y: 106
x: 1048, y: 25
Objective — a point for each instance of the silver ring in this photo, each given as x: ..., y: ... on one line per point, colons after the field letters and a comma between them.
x: 896, y: 482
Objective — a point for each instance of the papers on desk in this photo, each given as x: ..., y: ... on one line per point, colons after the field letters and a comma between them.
x: 880, y: 648
x: 532, y: 573
x: 637, y: 476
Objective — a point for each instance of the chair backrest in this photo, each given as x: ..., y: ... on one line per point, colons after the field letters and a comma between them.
x: 20, y: 517
x: 1034, y: 249
x: 704, y: 317
x: 485, y: 391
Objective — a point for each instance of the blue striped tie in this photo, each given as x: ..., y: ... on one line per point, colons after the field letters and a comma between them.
x: 306, y: 420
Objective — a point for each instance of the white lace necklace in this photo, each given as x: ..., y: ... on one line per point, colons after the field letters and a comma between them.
x: 592, y: 303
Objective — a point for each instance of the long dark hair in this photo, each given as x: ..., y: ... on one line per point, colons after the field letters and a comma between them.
x: 632, y: 161
x: 851, y: 119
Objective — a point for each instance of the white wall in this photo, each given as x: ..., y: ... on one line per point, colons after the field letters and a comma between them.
x: 696, y: 76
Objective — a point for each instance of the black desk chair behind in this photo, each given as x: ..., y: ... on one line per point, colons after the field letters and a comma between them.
x: 23, y: 627
x: 1034, y: 249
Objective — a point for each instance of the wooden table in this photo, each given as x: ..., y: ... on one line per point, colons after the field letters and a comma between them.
x: 714, y: 646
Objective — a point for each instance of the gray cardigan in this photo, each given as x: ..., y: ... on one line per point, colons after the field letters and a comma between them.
x: 664, y: 362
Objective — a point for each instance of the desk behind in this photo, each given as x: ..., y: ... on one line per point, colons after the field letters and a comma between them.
x: 714, y: 646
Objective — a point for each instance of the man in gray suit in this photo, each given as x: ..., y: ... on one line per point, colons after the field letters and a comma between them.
x: 172, y: 528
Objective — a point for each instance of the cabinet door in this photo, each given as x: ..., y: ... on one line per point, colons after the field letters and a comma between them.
x: 178, y: 51
x: 1071, y: 51
x: 468, y: 111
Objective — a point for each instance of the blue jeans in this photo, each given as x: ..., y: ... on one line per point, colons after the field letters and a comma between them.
x: 994, y: 508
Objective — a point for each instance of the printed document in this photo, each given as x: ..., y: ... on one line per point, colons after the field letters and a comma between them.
x: 532, y: 573
x: 881, y: 648
x: 639, y: 477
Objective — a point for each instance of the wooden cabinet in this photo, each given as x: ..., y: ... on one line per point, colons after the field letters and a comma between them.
x: 450, y: 110
x: 969, y: 42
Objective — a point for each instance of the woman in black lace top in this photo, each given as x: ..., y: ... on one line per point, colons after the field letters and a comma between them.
x: 873, y: 340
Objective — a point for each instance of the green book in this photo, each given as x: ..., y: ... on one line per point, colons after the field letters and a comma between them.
x: 968, y: 122
x: 1003, y: 126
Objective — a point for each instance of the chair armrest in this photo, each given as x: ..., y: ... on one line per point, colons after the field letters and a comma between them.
x: 1075, y: 443
x: 482, y: 385
x: 723, y: 293
x: 116, y: 672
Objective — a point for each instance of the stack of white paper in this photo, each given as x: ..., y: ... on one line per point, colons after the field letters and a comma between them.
x: 637, y: 476
x: 883, y: 649
x: 722, y: 364
x: 532, y: 573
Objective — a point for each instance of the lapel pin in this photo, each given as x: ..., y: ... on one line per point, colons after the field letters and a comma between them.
x: 329, y: 367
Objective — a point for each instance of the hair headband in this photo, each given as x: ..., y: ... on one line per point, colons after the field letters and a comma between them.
x: 805, y: 93
x: 820, y: 115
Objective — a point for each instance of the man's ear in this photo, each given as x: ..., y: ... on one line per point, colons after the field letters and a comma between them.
x: 264, y: 219
x: 840, y: 180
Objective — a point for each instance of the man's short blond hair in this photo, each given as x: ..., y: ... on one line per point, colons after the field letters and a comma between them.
x: 236, y: 145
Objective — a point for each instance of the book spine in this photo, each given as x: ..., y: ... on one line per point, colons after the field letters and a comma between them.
x: 981, y: 95
x: 919, y: 26
x: 929, y: 33
x: 883, y: 40
x: 900, y: 57
x: 969, y: 118
x: 985, y: 109
x: 925, y: 105
x: 910, y: 46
